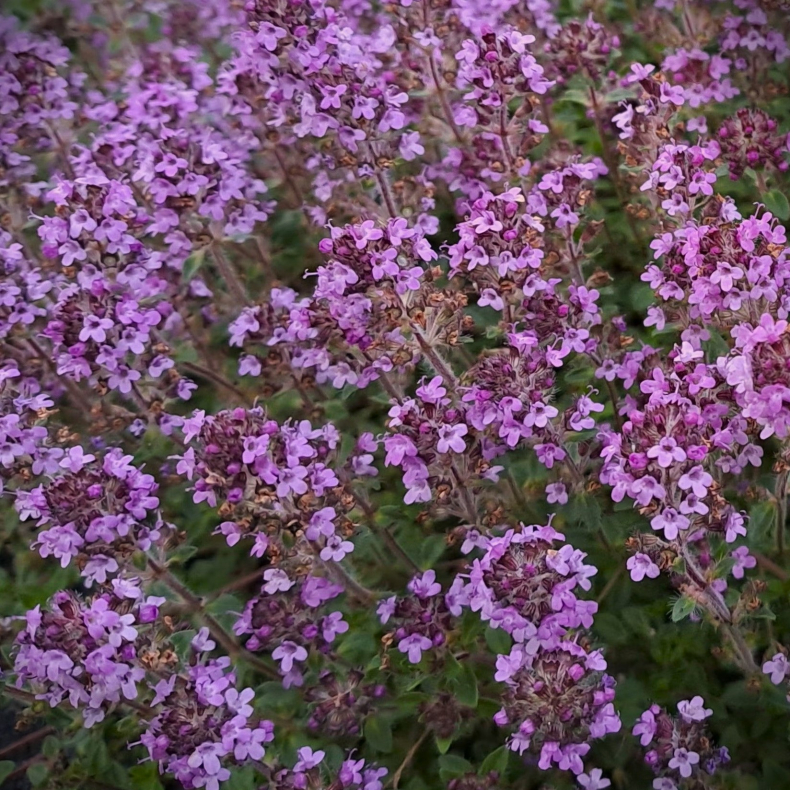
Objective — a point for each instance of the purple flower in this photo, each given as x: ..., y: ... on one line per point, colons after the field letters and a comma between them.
x: 75, y: 459
x: 336, y: 548
x: 556, y: 493
x: 647, y: 488
x: 413, y: 645
x: 292, y: 480
x: 450, y: 438
x: 490, y: 298
x: 743, y: 561
x: 332, y: 625
x: 410, y: 146
x: 95, y: 328
x: 308, y: 759
x: 386, y: 609
x: 640, y: 565
x: 317, y: 590
x: 61, y: 542
x: 238, y: 701
x: 123, y: 379
x: 694, y: 709
x: 684, y: 761
x: 670, y: 521
x: 594, y: 780
x: 71, y: 251
x: 287, y: 653
x: 432, y: 392
x: 425, y: 585
x: 276, y: 581
x: 667, y: 452
x: 778, y: 668
x: 201, y: 643
x: 321, y: 523
x: 508, y: 665
x: 645, y: 726
x: 206, y: 756
x: 696, y: 479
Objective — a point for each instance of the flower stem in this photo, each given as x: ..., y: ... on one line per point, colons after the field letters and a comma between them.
x: 408, y: 758
x: 744, y: 657
x: 26, y: 740
x: 196, y: 605
x: 780, y: 492
x: 434, y: 358
x: 466, y: 495
x: 386, y: 193
x: 229, y: 275
x: 610, y: 388
x: 717, y: 607
x: 297, y: 193
x: 219, y: 380
x: 613, y: 166
x: 382, y: 533
x: 351, y: 585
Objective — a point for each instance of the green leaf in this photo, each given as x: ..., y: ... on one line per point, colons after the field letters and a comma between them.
x: 496, y: 761
x: 378, y: 733
x: 775, y: 775
x: 37, y: 774
x: 715, y: 347
x: 585, y: 510
x: 466, y: 685
x: 272, y: 696
x: 762, y: 518
x: 50, y: 747
x: 451, y: 765
x: 180, y: 555
x: 192, y: 265
x: 682, y: 608
x: 610, y: 628
x: 241, y: 779
x: 641, y: 296
x: 181, y: 642
x: 776, y: 202
x: 6, y: 766
x: 443, y: 744
x: 576, y: 96
x: 145, y: 776
x: 358, y: 647
x: 431, y: 548
x: 386, y: 512
x: 226, y: 603
x: 763, y: 613
x: 498, y: 641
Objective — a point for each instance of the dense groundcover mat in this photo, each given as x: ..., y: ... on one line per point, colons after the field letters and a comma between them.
x: 394, y: 396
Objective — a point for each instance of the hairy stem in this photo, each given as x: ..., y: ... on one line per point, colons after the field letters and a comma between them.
x: 219, y: 380
x: 232, y: 280
x: 780, y: 492
x: 26, y: 740
x: 386, y: 193
x: 743, y: 653
x: 434, y: 358
x: 408, y: 758
x: 196, y: 605
x: 382, y: 533
x: 717, y: 606
x: 341, y: 576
